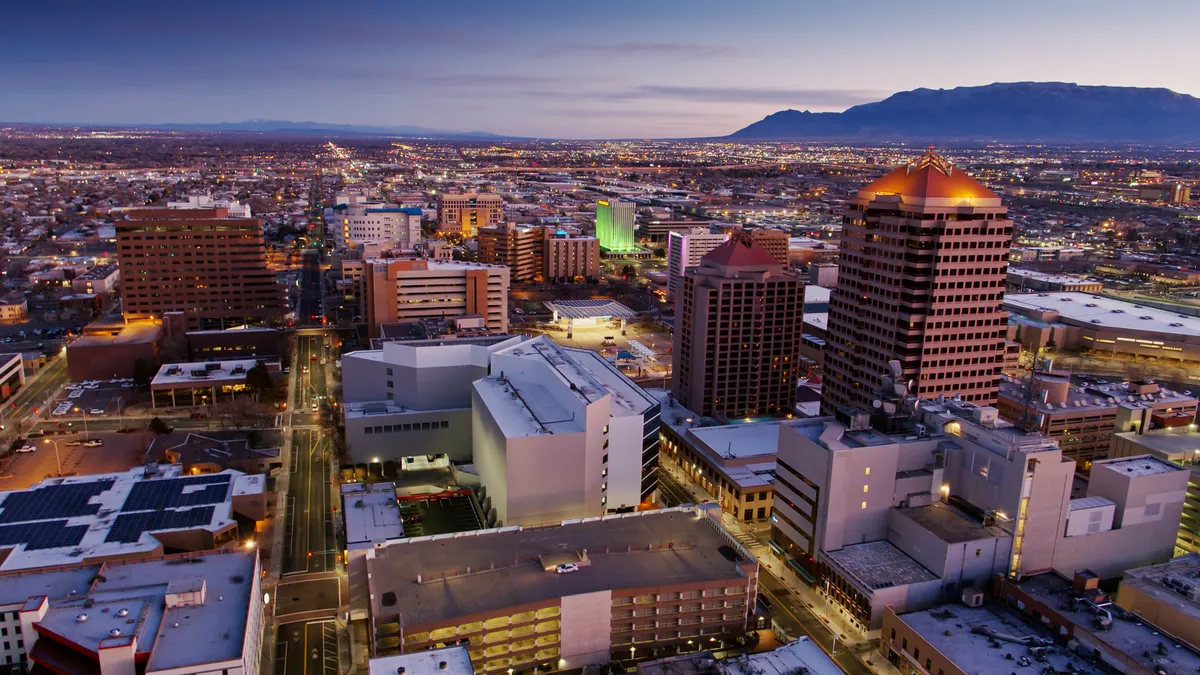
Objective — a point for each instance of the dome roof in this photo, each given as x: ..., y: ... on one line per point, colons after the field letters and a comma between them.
x: 930, y: 176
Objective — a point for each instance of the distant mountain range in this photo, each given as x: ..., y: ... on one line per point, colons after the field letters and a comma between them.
x: 325, y: 129
x: 1007, y: 111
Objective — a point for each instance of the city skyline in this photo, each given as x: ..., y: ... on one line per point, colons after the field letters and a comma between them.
x: 555, y: 71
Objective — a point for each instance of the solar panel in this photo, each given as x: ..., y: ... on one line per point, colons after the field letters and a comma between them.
x: 169, y: 494
x: 53, y: 501
x: 42, y: 535
x: 127, y: 528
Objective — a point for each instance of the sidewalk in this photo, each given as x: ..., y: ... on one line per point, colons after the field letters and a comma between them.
x: 754, y: 539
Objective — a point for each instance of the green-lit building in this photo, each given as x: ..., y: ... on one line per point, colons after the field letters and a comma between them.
x: 614, y: 225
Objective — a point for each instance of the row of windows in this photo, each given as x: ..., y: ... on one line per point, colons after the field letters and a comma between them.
x: 402, y: 428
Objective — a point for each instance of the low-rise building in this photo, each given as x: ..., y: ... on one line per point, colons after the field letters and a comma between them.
x: 802, y: 655
x: 13, y: 308
x: 111, y: 351
x: 203, y: 382
x: 444, y: 661
x: 1083, y: 418
x: 637, y: 582
x: 101, y: 280
x: 12, y: 374
x: 390, y: 226
x: 1180, y: 446
x: 1023, y: 281
x: 1167, y: 596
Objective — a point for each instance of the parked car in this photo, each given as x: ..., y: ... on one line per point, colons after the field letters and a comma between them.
x: 566, y: 568
x: 96, y: 411
x: 94, y: 443
x: 72, y: 444
x: 26, y: 448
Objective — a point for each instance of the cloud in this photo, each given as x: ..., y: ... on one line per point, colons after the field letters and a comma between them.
x: 821, y: 98
x: 644, y: 49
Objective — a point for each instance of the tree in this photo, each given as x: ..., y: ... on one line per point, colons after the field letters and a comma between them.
x: 144, y: 371
x: 259, y: 380
x: 660, y: 252
x: 628, y: 272
x: 1132, y: 236
x: 159, y: 427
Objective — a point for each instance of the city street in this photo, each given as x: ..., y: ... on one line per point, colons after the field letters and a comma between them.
x: 37, y: 391
x: 307, y: 648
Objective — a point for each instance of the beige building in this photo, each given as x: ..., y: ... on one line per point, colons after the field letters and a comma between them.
x: 13, y: 308
x: 465, y: 213
x: 1180, y: 446
x: 921, y: 276
x: 684, y: 250
x: 1024, y: 281
x: 569, y: 257
x: 518, y: 247
x: 1166, y: 595
x: 647, y: 581
x: 775, y: 242
x: 1083, y: 418
x: 408, y: 290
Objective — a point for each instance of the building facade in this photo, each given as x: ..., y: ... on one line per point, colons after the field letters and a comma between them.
x: 464, y: 214
x: 376, y: 223
x: 921, y: 279
x: 518, y: 247
x: 737, y: 334
x: 614, y: 225
x: 569, y: 257
x: 201, y: 262
x: 409, y: 290
x: 775, y: 242
x: 684, y: 250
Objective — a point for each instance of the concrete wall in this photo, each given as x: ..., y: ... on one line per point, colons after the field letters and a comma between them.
x: 488, y: 450
x: 586, y: 629
x: 455, y: 440
x: 363, y: 379
x: 959, y: 564
x: 847, y: 522
x: 624, y: 461
x: 547, y: 482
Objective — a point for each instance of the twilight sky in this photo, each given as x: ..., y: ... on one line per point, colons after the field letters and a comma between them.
x: 559, y: 68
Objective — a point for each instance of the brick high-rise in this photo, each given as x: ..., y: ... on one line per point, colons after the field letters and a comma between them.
x: 201, y: 262
x: 920, y: 281
x: 737, y: 334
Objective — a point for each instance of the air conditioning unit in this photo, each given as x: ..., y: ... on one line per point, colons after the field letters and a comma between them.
x: 972, y: 597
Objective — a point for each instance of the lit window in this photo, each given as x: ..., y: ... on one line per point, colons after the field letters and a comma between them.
x: 867, y: 471
x: 865, y: 489
x: 864, y: 506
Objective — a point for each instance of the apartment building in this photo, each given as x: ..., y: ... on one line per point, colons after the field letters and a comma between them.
x: 392, y: 227
x: 684, y: 250
x: 1084, y: 418
x: 737, y: 334
x: 646, y: 581
x: 775, y: 242
x: 911, y: 518
x: 201, y: 262
x: 560, y: 433
x: 409, y: 290
x: 464, y: 214
x: 921, y: 278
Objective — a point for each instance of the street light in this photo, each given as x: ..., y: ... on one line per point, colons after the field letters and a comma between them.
x: 86, y: 437
x: 57, y: 459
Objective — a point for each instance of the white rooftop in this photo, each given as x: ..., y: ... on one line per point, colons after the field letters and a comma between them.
x: 814, y: 294
x: 1144, y: 465
x: 802, y: 655
x: 202, y: 373
x: 1103, y: 312
x: 457, y: 661
x: 741, y: 441
x: 371, y: 514
x: 1049, y: 276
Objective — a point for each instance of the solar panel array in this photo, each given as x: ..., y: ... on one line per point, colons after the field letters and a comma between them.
x: 41, y: 535
x: 127, y: 528
x: 157, y: 495
x: 53, y: 501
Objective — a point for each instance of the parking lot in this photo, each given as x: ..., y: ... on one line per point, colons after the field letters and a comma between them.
x: 93, y: 397
x: 118, y: 452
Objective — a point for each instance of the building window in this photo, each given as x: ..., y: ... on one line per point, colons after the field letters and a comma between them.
x: 748, y: 514
x: 389, y: 372
x: 749, y: 496
x: 864, y: 506
x: 864, y: 489
x: 867, y: 471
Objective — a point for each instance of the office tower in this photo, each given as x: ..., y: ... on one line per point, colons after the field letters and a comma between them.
x: 774, y: 242
x: 465, y: 213
x: 560, y: 433
x: 201, y: 262
x: 823, y: 274
x: 390, y: 226
x: 684, y: 250
x: 569, y: 256
x: 737, y: 334
x: 519, y: 247
x: 409, y: 290
x: 614, y: 225
x: 921, y: 281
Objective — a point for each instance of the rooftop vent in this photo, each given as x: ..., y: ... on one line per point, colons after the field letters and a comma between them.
x: 442, y: 665
x: 115, y: 632
x: 122, y: 612
x: 1146, y: 317
x: 1118, y: 311
x: 1090, y: 304
x: 80, y: 618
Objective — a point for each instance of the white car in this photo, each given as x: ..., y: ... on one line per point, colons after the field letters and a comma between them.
x: 95, y: 411
x: 94, y: 443
x: 26, y: 448
x: 566, y: 568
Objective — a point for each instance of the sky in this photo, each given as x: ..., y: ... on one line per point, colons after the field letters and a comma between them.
x: 562, y: 68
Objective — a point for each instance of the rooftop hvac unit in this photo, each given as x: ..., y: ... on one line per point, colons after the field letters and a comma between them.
x: 972, y: 597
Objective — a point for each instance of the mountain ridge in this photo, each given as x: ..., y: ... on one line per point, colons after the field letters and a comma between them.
x: 1016, y: 111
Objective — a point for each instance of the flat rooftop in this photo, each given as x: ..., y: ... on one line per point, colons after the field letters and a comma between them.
x: 457, y: 661
x: 648, y: 548
x: 371, y: 514
x: 75, y: 519
x: 951, y: 525
x: 879, y: 564
x: 1138, y: 466
x: 950, y: 629
x: 1167, y: 582
x: 137, y: 332
x: 1172, y: 442
x: 1137, y: 638
x: 1099, y: 312
x: 800, y: 656
x: 1093, y: 397
x: 173, y: 637
x: 202, y: 373
x: 589, y: 309
x: 1049, y: 277
x: 740, y: 441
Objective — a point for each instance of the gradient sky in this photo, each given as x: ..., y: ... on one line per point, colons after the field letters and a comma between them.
x: 561, y: 68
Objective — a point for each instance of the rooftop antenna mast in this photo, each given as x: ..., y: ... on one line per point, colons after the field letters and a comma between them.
x: 1039, y: 363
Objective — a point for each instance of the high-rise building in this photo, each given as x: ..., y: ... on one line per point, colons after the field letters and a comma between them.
x: 568, y: 256
x: 737, y: 334
x: 684, y: 250
x: 465, y: 213
x: 201, y: 262
x: 775, y: 242
x: 923, y: 264
x: 409, y: 290
x: 823, y: 274
x: 614, y: 225
x: 519, y: 247
x: 376, y: 223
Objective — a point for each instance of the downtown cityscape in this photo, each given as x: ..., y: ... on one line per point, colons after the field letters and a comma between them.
x: 903, y: 381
